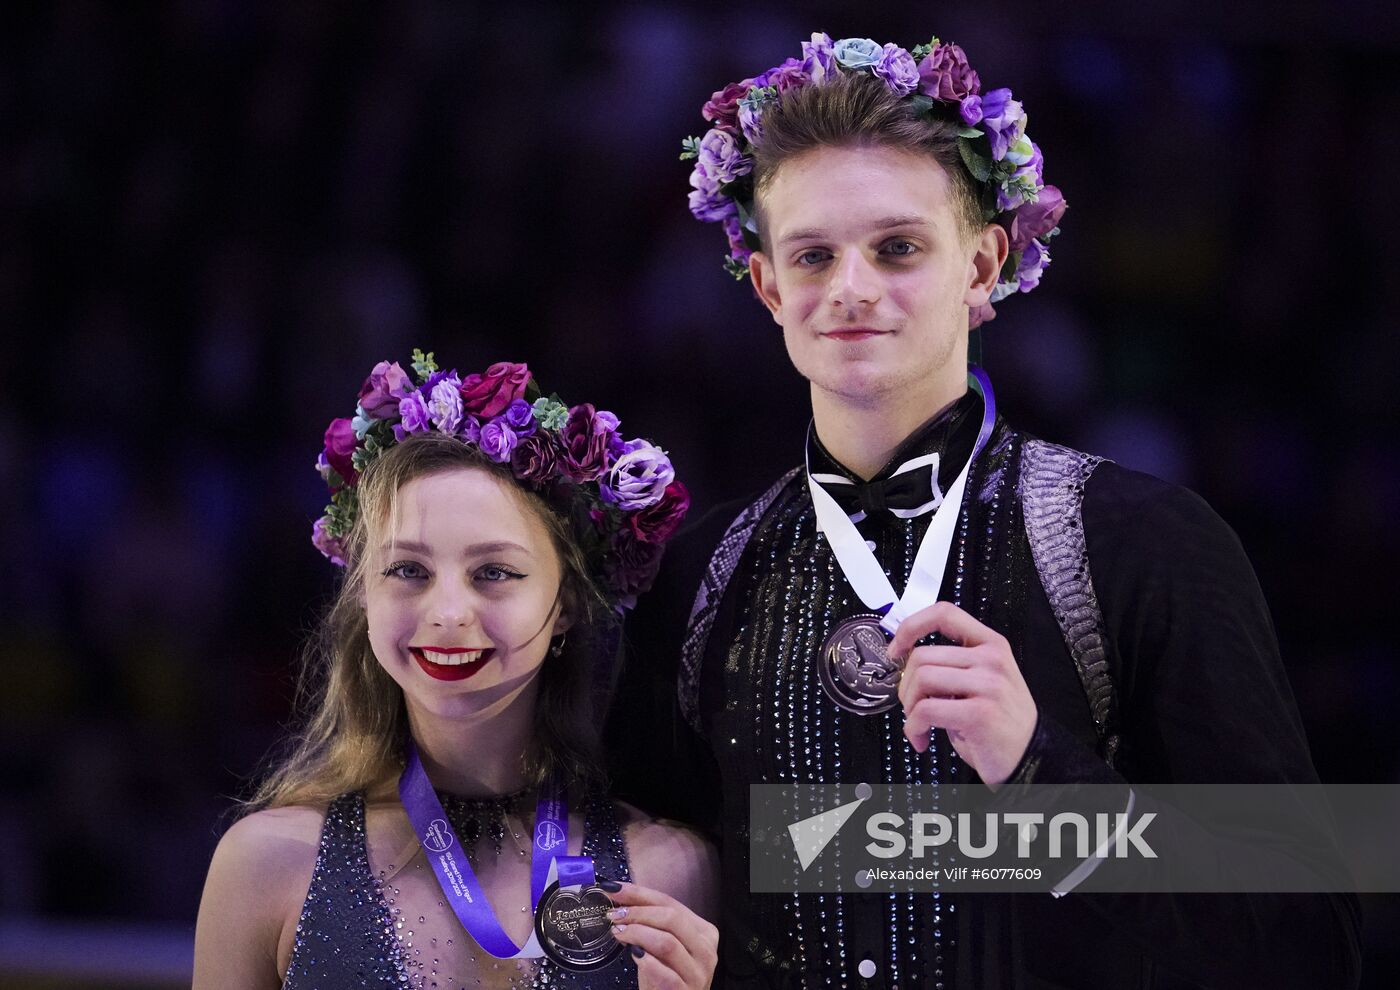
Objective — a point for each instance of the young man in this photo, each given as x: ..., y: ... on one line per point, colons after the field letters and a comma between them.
x: 1094, y: 624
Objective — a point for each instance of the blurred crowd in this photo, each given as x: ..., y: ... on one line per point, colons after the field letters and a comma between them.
x: 216, y: 216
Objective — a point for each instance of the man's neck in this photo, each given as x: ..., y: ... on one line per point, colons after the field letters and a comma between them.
x: 864, y: 436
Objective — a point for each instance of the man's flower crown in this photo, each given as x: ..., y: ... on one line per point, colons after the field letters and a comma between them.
x: 621, y: 496
x: 935, y: 79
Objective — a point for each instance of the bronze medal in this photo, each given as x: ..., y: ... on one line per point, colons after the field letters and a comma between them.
x: 855, y: 666
x: 573, y: 927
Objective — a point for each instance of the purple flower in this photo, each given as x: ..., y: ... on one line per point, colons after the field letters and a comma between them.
x: 789, y: 75
x: 707, y: 202
x: 535, y: 457
x: 631, y: 565
x: 497, y: 440
x: 520, y: 417
x: 818, y: 61
x: 638, y: 478
x: 1033, y: 264
x: 618, y: 446
x: 738, y: 250
x: 323, y: 467
x: 970, y: 110
x: 413, y: 412
x: 427, y: 387
x: 386, y: 385
x: 1003, y: 120
x: 1022, y: 185
x: 1036, y: 219
x: 720, y: 154
x: 751, y: 124
x: 584, y: 440
x: 945, y: 75
x: 470, y: 430
x: 857, y: 53
x: 340, y: 448
x: 1009, y: 196
x: 445, y: 405
x: 898, y: 69
x: 329, y: 545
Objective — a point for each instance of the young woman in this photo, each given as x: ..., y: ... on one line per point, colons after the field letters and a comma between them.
x: 448, y: 770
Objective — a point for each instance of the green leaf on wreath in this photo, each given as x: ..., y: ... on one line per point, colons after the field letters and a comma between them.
x: 980, y: 167
x: 423, y: 365
x: 922, y: 104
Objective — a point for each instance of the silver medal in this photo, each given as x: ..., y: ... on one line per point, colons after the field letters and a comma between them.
x: 573, y: 927
x: 856, y: 669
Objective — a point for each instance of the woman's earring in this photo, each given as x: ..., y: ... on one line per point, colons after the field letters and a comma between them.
x: 558, y: 647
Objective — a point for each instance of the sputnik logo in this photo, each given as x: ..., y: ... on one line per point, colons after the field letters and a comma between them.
x: 811, y: 835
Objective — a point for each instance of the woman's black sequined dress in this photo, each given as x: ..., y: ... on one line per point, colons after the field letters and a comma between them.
x: 347, y: 936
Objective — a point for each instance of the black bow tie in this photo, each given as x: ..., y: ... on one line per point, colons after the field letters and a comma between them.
x: 912, y: 489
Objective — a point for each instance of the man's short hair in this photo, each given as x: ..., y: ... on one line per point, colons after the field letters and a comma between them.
x: 859, y: 110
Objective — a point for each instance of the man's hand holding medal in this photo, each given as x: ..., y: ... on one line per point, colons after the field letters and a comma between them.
x: 972, y: 689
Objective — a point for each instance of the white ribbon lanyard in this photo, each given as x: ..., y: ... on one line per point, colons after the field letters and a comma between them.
x: 867, y: 578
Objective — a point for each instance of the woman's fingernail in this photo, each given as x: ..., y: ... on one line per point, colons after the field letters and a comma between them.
x: 611, y: 886
x: 619, y: 928
x: 617, y: 914
x: 637, y: 951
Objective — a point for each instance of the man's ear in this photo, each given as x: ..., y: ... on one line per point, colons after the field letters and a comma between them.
x: 984, y: 268
x: 765, y: 283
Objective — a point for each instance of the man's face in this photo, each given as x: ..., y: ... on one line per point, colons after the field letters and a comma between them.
x: 869, y: 273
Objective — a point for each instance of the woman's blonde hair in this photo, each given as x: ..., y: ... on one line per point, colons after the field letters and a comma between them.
x: 353, y: 720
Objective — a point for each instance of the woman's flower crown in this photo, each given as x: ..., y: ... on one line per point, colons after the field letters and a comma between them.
x: 934, y: 78
x: 622, y: 496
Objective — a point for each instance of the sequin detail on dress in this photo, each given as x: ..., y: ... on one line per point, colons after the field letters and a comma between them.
x: 346, y: 937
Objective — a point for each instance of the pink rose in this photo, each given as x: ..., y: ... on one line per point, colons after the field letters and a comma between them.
x: 945, y: 75
x: 584, y: 439
x: 657, y: 523
x: 386, y: 385
x: 488, y: 395
x: 723, y: 107
x: 340, y: 447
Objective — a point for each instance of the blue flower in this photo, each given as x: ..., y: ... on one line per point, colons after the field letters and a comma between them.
x: 858, y: 53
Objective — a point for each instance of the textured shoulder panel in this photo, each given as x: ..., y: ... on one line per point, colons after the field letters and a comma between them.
x: 718, y: 572
x: 1052, y: 498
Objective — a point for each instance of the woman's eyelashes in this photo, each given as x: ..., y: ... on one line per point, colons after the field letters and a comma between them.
x: 494, y: 573
x: 408, y: 570
x: 411, y: 570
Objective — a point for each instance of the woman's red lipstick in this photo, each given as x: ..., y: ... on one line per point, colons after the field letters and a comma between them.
x: 450, y: 671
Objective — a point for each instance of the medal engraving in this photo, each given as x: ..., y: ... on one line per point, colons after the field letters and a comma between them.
x: 855, y: 666
x: 573, y: 927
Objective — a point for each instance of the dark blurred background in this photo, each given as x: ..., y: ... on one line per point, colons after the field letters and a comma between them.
x: 215, y: 216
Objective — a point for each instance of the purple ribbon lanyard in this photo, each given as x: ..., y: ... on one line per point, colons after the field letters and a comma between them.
x: 455, y: 875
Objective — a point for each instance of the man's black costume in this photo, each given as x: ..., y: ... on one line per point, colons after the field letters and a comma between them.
x: 1171, y: 674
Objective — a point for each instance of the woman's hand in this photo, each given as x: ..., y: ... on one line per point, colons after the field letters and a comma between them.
x: 672, y: 946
